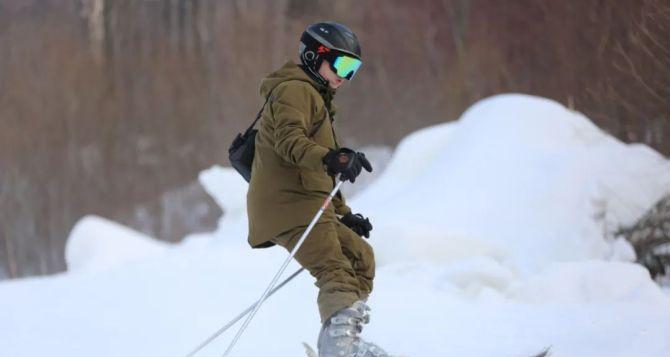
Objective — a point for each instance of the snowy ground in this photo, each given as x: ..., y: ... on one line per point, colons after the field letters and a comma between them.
x: 488, y: 233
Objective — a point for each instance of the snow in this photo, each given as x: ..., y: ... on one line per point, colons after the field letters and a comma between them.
x: 518, y: 175
x: 494, y: 235
x: 96, y: 244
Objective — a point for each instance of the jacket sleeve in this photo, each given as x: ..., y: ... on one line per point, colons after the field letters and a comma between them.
x: 340, y: 204
x: 292, y: 113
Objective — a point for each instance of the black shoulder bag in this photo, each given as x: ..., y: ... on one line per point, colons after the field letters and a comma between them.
x: 241, y: 151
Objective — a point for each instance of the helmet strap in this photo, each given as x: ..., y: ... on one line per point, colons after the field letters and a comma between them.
x: 311, y: 62
x: 314, y: 75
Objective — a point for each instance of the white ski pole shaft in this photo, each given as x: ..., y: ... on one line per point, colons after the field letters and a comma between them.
x: 240, y: 316
x: 325, y: 205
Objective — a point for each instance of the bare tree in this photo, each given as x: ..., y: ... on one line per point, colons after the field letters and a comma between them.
x: 650, y: 237
x: 113, y: 107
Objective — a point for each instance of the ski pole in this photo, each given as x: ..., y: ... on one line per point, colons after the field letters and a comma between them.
x: 283, y: 267
x: 240, y: 316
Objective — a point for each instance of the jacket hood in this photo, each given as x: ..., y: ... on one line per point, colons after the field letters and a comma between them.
x: 291, y: 71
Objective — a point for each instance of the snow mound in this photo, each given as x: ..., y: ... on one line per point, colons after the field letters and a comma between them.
x: 521, y: 176
x: 96, y: 244
x: 228, y: 189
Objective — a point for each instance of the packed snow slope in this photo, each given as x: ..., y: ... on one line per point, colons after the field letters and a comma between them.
x: 494, y: 237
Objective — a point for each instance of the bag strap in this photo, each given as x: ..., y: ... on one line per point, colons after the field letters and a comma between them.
x: 258, y: 116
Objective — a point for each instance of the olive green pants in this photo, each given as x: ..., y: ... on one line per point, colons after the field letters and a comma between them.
x: 340, y: 260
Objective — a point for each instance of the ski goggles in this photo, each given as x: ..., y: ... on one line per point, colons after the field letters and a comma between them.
x: 344, y: 66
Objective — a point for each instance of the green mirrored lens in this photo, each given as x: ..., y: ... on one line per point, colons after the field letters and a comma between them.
x: 346, y: 66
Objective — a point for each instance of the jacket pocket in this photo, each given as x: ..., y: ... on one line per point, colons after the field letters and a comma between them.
x: 316, y: 181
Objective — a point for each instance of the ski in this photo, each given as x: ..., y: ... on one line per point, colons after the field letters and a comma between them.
x: 309, y: 350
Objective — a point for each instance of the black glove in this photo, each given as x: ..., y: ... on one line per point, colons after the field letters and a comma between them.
x: 357, y: 223
x: 347, y: 163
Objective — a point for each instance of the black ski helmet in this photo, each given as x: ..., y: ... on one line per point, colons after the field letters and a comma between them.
x: 324, y: 39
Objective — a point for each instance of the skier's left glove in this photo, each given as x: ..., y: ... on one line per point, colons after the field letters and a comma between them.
x: 357, y: 223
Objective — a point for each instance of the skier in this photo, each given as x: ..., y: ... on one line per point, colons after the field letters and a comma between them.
x: 296, y: 162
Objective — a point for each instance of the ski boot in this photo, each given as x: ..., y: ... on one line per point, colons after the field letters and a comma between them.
x: 339, y: 335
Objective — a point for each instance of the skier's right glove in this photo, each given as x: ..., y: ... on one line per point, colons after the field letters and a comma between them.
x: 347, y: 163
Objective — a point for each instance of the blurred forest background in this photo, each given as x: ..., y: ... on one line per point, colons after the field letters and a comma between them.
x: 112, y: 107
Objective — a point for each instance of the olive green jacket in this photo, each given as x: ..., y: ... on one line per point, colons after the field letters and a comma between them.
x: 288, y: 181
